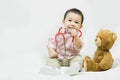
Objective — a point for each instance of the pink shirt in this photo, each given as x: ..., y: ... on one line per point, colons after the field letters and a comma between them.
x: 63, y: 45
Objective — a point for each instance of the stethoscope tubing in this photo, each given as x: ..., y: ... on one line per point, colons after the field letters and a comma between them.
x: 62, y: 34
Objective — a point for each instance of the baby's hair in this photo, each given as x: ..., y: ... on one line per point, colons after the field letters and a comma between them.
x: 74, y: 10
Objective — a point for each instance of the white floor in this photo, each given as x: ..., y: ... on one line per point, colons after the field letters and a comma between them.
x: 25, y: 65
x: 21, y: 58
x: 25, y: 26
x: 23, y: 52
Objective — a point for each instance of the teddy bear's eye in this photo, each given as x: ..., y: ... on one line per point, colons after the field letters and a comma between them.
x: 100, y: 38
x: 96, y: 39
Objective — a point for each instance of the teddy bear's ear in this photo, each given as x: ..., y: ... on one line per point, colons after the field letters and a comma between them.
x: 114, y: 36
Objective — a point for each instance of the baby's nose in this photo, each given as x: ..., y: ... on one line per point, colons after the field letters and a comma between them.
x: 72, y: 23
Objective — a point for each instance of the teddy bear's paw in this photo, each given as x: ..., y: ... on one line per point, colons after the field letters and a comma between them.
x: 87, y: 57
x: 86, y: 65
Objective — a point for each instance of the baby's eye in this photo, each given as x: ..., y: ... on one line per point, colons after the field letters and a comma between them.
x: 76, y: 22
x: 69, y: 20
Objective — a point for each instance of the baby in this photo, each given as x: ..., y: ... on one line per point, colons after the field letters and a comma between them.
x: 65, y: 46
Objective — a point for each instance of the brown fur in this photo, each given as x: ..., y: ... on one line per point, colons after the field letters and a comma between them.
x: 102, y: 59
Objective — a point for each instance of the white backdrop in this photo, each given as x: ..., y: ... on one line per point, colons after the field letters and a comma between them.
x: 25, y: 26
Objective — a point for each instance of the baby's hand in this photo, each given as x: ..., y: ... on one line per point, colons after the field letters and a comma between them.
x: 73, y: 32
x: 52, y: 53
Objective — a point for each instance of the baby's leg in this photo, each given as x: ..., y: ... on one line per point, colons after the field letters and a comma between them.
x: 77, y: 59
x: 52, y: 67
x: 75, y: 65
x: 53, y: 62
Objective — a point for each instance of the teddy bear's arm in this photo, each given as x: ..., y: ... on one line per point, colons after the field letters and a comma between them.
x: 107, y: 61
x: 98, y: 56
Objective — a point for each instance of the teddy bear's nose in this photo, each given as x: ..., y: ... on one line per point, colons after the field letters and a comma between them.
x: 96, y: 39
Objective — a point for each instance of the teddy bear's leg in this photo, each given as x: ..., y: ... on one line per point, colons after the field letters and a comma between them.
x: 106, y: 62
x: 87, y: 64
x: 90, y: 65
x: 87, y: 57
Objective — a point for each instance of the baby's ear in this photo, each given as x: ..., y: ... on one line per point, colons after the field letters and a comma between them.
x: 81, y: 26
x: 63, y: 21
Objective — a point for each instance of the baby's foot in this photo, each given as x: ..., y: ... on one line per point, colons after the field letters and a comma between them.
x: 46, y: 70
x: 73, y: 69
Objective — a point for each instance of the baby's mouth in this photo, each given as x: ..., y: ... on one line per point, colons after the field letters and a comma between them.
x: 69, y: 29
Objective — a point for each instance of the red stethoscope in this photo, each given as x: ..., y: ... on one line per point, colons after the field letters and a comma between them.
x: 62, y: 34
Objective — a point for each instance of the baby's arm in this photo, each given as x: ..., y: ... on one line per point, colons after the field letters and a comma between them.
x: 52, y: 53
x: 77, y: 41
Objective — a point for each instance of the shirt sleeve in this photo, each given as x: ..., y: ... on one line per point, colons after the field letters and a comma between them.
x: 51, y: 43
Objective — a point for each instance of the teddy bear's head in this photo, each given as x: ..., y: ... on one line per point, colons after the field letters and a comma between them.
x: 105, y: 39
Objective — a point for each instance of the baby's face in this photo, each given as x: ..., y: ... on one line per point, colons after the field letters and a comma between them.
x: 72, y: 21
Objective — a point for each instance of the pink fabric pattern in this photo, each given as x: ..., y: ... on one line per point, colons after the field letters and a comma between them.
x: 64, y: 48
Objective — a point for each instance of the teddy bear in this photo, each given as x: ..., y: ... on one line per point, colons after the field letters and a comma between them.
x: 102, y: 59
